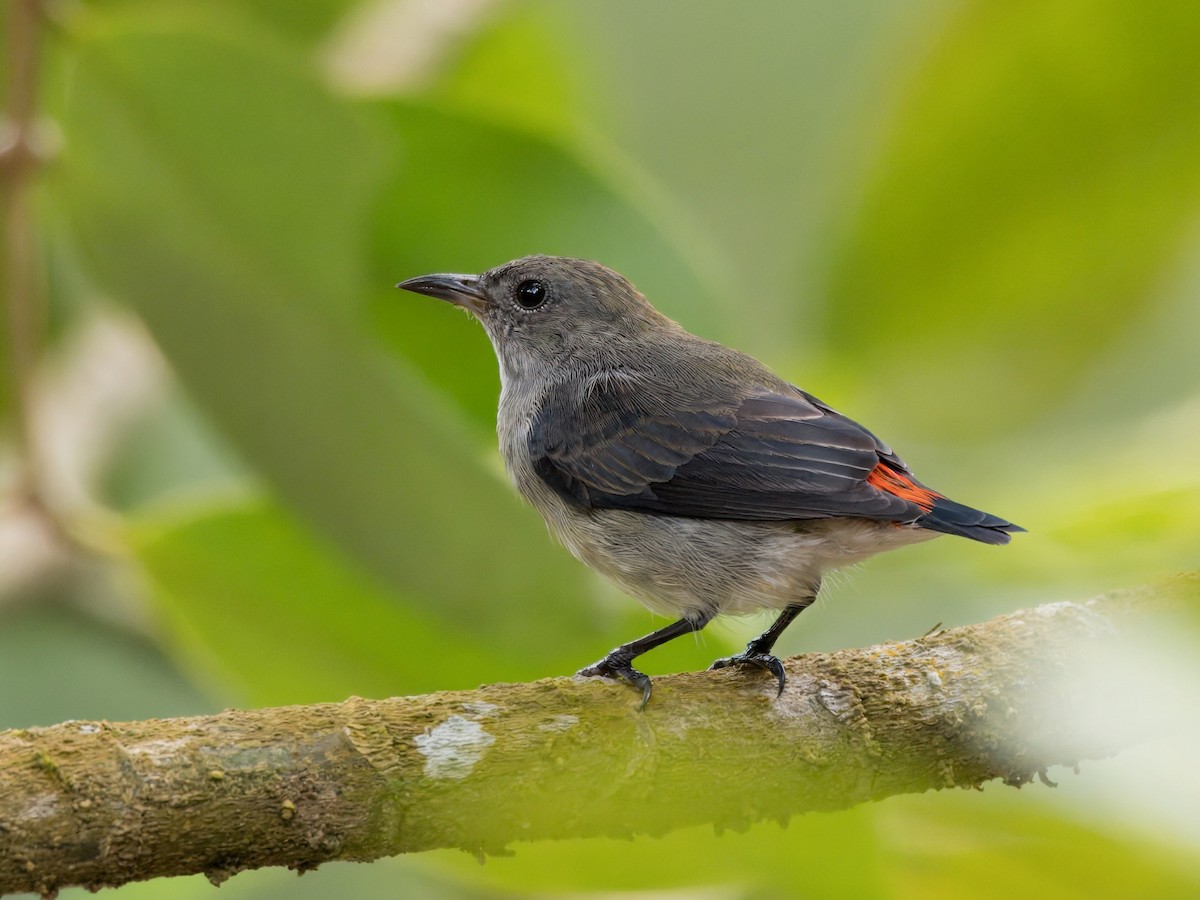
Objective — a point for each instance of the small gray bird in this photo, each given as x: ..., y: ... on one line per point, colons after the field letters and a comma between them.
x: 682, y: 470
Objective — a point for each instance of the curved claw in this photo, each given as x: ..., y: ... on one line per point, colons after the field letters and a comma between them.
x: 756, y: 661
x: 620, y: 669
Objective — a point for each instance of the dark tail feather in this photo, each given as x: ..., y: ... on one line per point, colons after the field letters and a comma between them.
x: 954, y: 518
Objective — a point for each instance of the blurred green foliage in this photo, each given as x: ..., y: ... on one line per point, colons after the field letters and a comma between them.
x: 971, y: 225
x: 1040, y: 171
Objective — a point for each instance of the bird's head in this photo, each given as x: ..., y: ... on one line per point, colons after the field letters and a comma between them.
x: 539, y: 310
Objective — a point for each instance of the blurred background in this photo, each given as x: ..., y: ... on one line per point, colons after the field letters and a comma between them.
x: 238, y: 468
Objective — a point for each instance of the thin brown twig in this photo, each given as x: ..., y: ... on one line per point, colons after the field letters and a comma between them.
x: 19, y: 161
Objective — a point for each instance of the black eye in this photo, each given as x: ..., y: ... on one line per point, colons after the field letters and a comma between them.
x: 531, y: 294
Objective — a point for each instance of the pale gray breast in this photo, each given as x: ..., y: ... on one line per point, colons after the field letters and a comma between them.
x: 519, y: 399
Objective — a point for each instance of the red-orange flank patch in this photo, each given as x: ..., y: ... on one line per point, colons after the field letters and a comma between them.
x: 885, y: 478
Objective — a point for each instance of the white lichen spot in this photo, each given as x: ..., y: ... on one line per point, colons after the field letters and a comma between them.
x: 452, y: 749
x: 44, y: 806
x: 481, y: 709
x: 560, y: 723
x: 934, y: 679
x: 162, y: 752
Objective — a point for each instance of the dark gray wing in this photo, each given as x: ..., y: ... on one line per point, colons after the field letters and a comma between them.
x: 769, y: 455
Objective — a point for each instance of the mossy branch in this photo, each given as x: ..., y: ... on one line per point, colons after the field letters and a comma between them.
x: 101, y: 804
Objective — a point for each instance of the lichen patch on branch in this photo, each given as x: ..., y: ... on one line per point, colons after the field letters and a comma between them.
x: 452, y: 749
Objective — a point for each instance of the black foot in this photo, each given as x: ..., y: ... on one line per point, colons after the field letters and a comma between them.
x: 755, y: 659
x: 619, y: 667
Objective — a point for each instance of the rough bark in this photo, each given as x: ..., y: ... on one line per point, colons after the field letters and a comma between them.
x: 101, y: 804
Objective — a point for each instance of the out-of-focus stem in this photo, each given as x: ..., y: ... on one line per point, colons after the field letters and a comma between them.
x: 23, y: 302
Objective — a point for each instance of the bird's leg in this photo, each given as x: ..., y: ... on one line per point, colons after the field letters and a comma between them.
x: 758, y: 651
x: 617, y: 664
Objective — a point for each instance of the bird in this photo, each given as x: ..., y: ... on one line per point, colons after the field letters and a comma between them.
x: 682, y: 470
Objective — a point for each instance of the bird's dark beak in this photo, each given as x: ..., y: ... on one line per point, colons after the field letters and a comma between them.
x: 461, y: 290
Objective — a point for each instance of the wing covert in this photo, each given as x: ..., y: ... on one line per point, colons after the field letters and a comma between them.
x: 772, y: 455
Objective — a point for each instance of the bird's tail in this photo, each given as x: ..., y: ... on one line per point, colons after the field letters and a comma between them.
x: 954, y: 518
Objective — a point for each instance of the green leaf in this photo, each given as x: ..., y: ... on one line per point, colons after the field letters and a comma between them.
x: 57, y: 663
x: 226, y: 136
x: 276, y: 613
x: 168, y: 450
x: 471, y: 194
x: 495, y: 76
x: 996, y: 843
x: 397, y: 876
x: 819, y: 855
x: 1003, y: 844
x: 221, y: 192
x: 1040, y: 172
x: 304, y: 21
